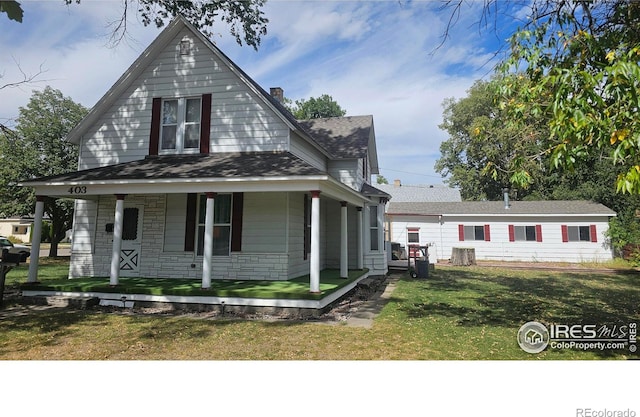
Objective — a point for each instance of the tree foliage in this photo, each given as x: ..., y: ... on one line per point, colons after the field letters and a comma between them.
x: 245, y: 18
x: 588, y: 58
x: 481, y: 147
x: 579, y: 62
x: 36, y: 148
x: 12, y: 9
x: 315, y: 108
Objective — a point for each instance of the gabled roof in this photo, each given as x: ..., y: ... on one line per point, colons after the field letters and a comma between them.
x: 545, y: 208
x: 421, y: 193
x: 344, y: 137
x: 218, y: 165
x: 147, y: 57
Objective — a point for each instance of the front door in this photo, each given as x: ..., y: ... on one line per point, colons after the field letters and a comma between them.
x: 131, y: 241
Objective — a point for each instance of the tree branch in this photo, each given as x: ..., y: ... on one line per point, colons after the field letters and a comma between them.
x: 26, y: 78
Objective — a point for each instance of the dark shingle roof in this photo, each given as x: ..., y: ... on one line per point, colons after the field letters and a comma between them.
x: 343, y: 137
x: 371, y: 191
x: 220, y: 165
x: 480, y: 208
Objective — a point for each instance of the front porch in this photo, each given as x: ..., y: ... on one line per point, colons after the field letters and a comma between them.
x: 230, y: 294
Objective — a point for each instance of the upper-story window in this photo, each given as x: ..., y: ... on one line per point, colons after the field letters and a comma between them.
x: 180, y: 127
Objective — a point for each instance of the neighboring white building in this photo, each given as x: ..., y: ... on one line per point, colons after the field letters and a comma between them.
x: 189, y: 169
x: 563, y: 231
x: 17, y: 227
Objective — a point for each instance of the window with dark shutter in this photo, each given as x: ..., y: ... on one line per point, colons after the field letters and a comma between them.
x: 154, y: 135
x: 205, y: 129
x: 180, y: 125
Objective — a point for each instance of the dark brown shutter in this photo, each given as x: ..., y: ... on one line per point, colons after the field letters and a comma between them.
x: 565, y: 233
x: 487, y: 233
x: 461, y: 232
x: 205, y: 123
x: 236, y: 222
x: 538, y: 233
x: 512, y: 233
x: 190, y: 224
x: 593, y: 233
x: 154, y: 136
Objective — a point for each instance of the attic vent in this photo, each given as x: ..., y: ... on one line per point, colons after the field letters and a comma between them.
x: 185, y: 47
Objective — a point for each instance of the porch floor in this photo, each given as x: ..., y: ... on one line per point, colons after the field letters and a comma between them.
x: 291, y: 293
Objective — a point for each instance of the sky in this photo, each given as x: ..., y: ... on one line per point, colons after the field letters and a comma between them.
x: 384, y: 58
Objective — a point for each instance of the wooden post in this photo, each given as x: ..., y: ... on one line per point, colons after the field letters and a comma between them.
x: 463, y: 256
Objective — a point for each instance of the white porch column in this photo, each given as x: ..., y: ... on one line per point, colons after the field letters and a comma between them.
x: 360, y: 240
x: 344, y: 241
x: 208, y: 241
x: 114, y: 274
x: 314, y: 281
x: 35, y: 243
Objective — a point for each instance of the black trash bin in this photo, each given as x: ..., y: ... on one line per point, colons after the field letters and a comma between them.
x: 422, y: 268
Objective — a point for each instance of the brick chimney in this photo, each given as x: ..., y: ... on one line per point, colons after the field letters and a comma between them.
x: 277, y: 93
x: 397, y: 183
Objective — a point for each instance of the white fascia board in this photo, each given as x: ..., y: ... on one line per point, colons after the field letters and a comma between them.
x: 83, y: 189
x: 339, y: 191
x: 89, y: 189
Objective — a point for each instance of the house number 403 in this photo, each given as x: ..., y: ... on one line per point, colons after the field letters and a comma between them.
x: 77, y: 190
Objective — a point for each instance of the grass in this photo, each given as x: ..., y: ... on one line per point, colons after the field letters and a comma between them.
x: 470, y: 313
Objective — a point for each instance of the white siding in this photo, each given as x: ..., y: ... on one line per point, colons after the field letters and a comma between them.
x: 264, y: 228
x: 175, y: 218
x: 84, y: 226
x: 346, y: 171
x: 240, y: 121
x: 444, y: 237
x: 302, y: 149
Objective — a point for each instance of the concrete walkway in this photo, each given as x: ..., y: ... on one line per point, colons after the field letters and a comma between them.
x: 368, y: 311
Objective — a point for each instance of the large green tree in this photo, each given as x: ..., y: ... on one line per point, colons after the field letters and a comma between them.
x: 36, y: 148
x: 481, y: 148
x: 580, y: 61
x: 315, y: 108
x: 245, y: 18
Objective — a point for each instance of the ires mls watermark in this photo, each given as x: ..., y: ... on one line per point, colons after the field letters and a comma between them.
x: 534, y: 337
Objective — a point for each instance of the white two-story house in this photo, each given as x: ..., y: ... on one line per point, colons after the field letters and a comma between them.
x: 189, y: 169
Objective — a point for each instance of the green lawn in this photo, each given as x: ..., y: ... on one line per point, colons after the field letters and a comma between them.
x: 458, y: 313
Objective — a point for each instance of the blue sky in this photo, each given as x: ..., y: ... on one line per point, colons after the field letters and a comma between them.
x: 373, y: 57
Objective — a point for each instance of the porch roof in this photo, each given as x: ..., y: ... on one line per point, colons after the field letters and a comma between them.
x: 192, y: 173
x: 219, y: 165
